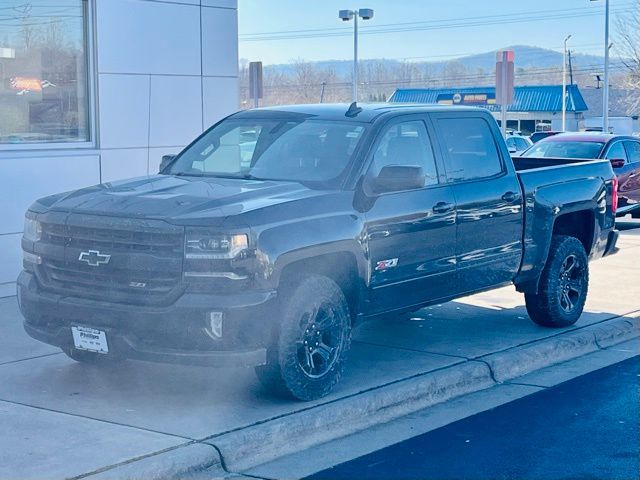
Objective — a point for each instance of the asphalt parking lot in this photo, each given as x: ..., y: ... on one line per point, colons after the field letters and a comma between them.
x: 71, y: 420
x: 514, y: 441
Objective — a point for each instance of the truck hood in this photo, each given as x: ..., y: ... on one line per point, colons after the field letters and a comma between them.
x: 181, y: 200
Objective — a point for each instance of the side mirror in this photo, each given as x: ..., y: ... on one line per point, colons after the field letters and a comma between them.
x: 395, y: 178
x: 166, y: 160
x: 617, y: 162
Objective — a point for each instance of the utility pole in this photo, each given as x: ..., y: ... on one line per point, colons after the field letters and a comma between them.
x: 564, y: 85
x: 605, y: 87
x: 570, y: 69
x: 605, y: 90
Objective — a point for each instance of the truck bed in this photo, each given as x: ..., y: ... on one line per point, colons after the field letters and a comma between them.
x: 556, y: 186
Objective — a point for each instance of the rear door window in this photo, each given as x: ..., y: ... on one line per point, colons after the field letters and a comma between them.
x: 616, y: 151
x: 470, y: 150
x: 521, y: 143
x: 633, y: 151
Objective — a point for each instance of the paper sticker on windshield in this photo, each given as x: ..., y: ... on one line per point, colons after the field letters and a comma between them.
x: 384, y: 264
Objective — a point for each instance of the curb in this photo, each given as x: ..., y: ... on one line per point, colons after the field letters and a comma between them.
x: 264, y: 442
x: 521, y: 360
x: 267, y: 441
x: 175, y: 463
x: 261, y: 443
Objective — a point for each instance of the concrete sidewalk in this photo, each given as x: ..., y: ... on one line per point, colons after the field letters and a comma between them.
x: 65, y: 420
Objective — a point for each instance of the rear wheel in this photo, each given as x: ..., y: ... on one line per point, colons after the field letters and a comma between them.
x: 563, y: 286
x: 307, y: 358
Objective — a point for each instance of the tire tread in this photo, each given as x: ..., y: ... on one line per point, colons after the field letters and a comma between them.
x: 543, y: 307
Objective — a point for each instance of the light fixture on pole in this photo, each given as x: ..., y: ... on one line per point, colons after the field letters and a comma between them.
x: 564, y: 85
x: 605, y: 86
x: 345, y: 16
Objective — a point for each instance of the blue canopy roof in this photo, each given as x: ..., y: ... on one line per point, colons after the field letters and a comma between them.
x: 535, y: 98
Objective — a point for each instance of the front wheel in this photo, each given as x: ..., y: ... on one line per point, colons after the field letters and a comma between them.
x: 307, y: 358
x: 563, y: 286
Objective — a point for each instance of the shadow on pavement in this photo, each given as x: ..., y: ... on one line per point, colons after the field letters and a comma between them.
x: 196, y: 402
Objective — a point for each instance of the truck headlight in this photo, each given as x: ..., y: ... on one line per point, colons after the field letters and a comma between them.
x: 206, y: 246
x: 32, y: 228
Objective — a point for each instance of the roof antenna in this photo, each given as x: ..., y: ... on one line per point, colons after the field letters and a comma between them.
x: 353, y: 110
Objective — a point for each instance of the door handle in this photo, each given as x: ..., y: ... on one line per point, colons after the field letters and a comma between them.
x: 443, y: 207
x: 510, y: 197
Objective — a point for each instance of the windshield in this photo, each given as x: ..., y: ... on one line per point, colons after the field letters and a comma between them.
x: 568, y: 149
x: 300, y: 150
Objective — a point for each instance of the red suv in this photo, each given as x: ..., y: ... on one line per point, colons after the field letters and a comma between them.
x: 623, y: 151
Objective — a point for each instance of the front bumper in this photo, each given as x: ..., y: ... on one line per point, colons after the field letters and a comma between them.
x: 173, y: 334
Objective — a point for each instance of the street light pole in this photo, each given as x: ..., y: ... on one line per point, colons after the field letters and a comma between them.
x: 605, y: 90
x: 564, y: 85
x: 345, y: 16
x: 354, y: 94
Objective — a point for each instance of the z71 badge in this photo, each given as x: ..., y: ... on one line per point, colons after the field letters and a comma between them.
x: 385, y: 264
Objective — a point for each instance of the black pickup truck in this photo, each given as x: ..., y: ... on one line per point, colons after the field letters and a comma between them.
x: 264, y: 241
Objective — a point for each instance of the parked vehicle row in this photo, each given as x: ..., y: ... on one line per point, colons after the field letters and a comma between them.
x: 277, y: 230
x: 622, y: 151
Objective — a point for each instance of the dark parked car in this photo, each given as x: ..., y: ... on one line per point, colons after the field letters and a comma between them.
x: 339, y: 213
x: 537, y: 136
x: 622, y: 151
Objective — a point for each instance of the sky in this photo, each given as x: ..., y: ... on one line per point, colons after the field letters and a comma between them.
x: 429, y: 30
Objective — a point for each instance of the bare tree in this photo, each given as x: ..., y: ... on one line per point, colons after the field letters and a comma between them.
x: 454, y: 73
x: 628, y: 39
x: 627, y: 43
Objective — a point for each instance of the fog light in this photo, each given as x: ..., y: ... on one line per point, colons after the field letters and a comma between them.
x: 31, y: 258
x: 214, y: 330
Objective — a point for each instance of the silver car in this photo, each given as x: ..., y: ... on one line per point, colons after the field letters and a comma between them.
x: 517, y: 144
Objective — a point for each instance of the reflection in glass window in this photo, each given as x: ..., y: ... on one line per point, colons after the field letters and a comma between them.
x: 298, y: 150
x: 471, y: 150
x: 407, y: 143
x: 565, y: 149
x: 43, y: 71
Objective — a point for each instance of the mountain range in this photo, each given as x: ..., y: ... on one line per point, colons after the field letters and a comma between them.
x: 525, y: 57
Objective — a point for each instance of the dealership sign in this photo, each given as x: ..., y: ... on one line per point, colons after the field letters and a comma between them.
x: 462, y: 98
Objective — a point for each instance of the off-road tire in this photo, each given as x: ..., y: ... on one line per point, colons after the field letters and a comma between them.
x: 302, y: 303
x: 549, y: 307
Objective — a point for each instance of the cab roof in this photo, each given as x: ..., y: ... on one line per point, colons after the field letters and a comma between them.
x: 367, y: 112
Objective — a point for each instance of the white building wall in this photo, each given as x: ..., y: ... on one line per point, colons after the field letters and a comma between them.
x: 163, y: 72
